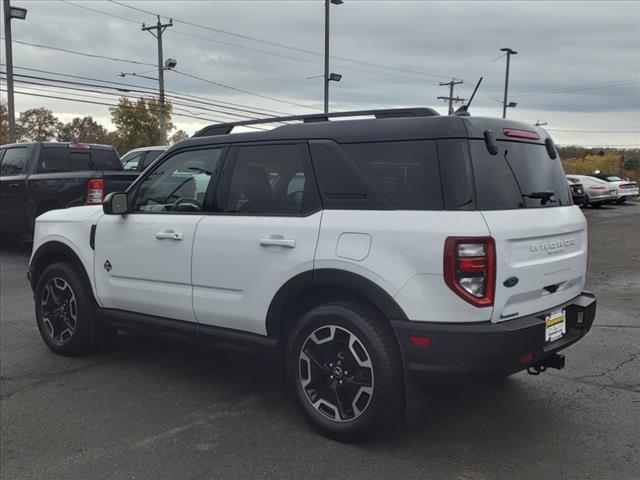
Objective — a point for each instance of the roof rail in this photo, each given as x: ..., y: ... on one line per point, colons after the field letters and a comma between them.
x: 224, y: 128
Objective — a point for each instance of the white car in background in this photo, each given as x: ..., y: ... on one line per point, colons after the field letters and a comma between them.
x: 598, y: 191
x: 626, y: 188
x: 140, y: 158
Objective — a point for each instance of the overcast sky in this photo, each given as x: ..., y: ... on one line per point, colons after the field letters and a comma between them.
x: 577, y: 67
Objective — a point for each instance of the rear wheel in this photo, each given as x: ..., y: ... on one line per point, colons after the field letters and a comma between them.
x: 596, y: 204
x: 63, y: 310
x: 621, y: 200
x: 345, y: 371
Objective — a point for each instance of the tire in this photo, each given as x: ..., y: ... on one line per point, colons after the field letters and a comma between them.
x: 329, y: 340
x: 621, y: 200
x: 596, y: 204
x: 64, y: 310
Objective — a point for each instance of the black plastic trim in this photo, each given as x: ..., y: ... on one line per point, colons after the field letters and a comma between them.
x: 486, y: 347
x: 328, y: 277
x: 125, y: 320
x: 92, y: 237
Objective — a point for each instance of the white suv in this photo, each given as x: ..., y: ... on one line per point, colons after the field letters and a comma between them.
x: 371, y: 253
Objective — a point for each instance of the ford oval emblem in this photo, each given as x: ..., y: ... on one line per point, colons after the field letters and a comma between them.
x: 511, y: 282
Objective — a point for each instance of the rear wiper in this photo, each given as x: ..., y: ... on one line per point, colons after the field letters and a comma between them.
x: 545, y: 196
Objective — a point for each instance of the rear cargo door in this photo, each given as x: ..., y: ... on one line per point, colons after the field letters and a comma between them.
x: 541, y: 238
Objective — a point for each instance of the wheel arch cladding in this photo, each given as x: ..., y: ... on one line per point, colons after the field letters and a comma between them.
x: 310, y: 288
x: 52, y: 252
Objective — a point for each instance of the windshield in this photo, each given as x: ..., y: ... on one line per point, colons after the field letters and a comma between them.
x: 521, y: 175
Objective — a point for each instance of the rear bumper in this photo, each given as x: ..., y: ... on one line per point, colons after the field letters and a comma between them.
x: 485, y: 347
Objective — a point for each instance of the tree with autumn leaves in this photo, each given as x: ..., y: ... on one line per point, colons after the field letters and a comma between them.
x: 137, y: 125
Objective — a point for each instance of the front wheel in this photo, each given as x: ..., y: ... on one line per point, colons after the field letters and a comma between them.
x: 63, y: 310
x: 344, y: 368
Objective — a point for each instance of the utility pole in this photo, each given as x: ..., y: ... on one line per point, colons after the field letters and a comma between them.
x: 506, y: 79
x: 159, y: 28
x: 451, y: 99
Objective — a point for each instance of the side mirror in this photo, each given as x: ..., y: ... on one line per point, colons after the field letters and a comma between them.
x: 116, y: 203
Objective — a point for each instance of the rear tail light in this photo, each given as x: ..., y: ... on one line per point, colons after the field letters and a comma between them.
x: 95, y: 192
x: 470, y: 268
x: 598, y: 187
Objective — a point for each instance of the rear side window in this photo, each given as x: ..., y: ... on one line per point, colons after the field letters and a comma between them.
x: 13, y: 161
x: 60, y: 159
x: 406, y: 172
x: 272, y: 179
x: 521, y: 175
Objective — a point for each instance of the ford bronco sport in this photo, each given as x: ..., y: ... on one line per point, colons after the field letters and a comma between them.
x: 370, y: 253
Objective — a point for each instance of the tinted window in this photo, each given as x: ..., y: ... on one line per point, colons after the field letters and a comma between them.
x: 60, y: 159
x: 457, y: 174
x: 407, y: 172
x: 130, y: 160
x: 13, y: 161
x: 516, y: 174
x: 271, y: 179
x: 343, y: 185
x: 179, y: 184
x: 150, y: 157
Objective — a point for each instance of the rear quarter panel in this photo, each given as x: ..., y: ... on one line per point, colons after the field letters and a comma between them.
x: 402, y: 252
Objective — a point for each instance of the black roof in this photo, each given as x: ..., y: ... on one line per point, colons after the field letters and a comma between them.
x: 429, y: 125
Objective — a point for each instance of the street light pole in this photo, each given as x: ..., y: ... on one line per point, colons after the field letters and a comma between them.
x: 506, y: 79
x: 326, y: 56
x: 327, y: 4
x: 9, y: 13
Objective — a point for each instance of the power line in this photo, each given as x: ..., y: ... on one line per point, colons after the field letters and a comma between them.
x: 280, y: 45
x: 99, y: 11
x: 247, y: 92
x: 30, y: 84
x: 593, y: 131
x: 291, y: 57
x: 176, y: 71
x: 205, y: 100
x: 621, y: 83
x: 84, y: 54
x: 210, y: 119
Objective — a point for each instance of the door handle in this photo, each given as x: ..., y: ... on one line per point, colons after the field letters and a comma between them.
x: 278, y: 241
x: 169, y: 235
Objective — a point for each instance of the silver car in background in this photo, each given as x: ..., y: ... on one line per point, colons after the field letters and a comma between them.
x: 597, y: 191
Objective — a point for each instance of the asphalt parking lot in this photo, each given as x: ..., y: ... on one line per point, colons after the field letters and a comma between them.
x: 153, y: 408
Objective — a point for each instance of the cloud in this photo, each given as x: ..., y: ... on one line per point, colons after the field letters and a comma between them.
x: 562, y: 46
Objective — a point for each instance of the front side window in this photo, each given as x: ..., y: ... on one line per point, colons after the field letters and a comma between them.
x: 271, y: 179
x: 179, y: 184
x: 13, y: 161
